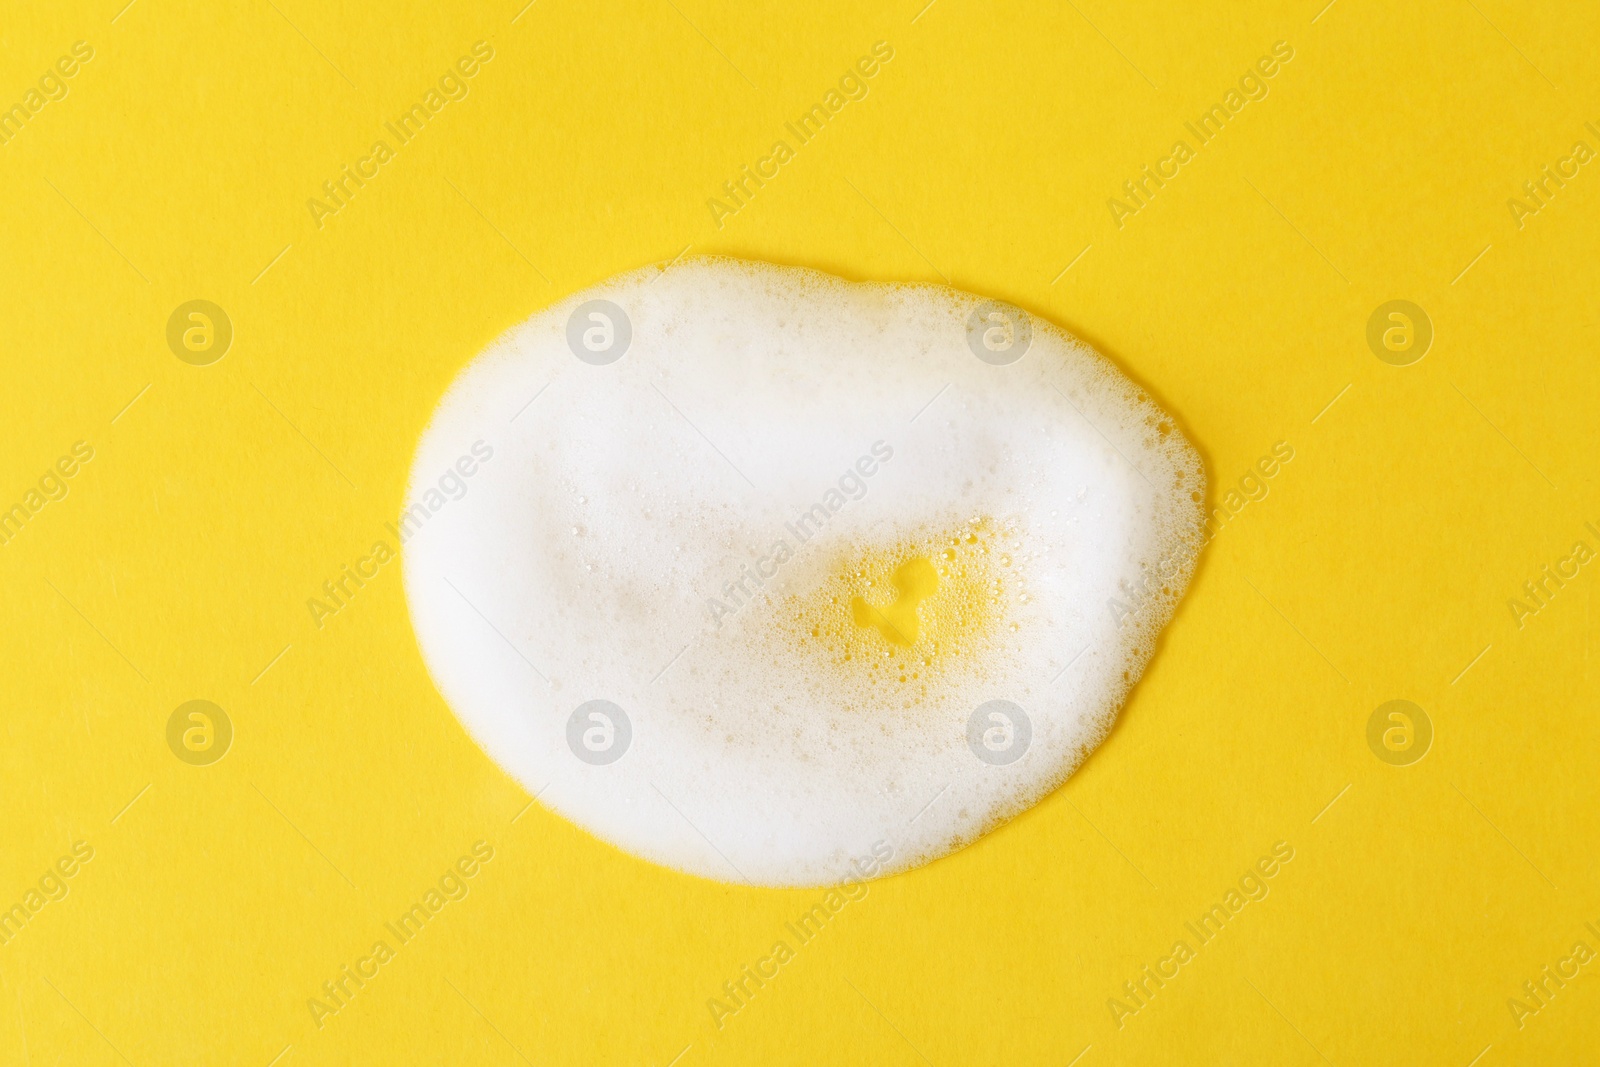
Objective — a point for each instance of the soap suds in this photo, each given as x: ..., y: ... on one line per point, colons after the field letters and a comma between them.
x: 797, y: 651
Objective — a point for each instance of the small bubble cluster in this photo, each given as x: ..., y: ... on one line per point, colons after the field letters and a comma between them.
x: 977, y: 598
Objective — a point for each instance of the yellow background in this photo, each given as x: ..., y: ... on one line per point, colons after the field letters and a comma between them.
x: 1379, y: 566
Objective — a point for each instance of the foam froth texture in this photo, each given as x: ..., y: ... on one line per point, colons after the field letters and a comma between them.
x: 771, y: 570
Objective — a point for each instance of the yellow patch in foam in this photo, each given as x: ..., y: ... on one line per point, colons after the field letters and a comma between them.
x: 906, y: 612
x: 914, y: 581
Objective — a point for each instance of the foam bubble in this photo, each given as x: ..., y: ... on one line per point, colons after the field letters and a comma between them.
x: 778, y: 578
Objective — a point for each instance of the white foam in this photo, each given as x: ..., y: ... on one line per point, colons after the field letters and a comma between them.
x: 772, y: 738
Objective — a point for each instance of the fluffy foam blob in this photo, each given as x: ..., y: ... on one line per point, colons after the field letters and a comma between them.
x: 772, y: 575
